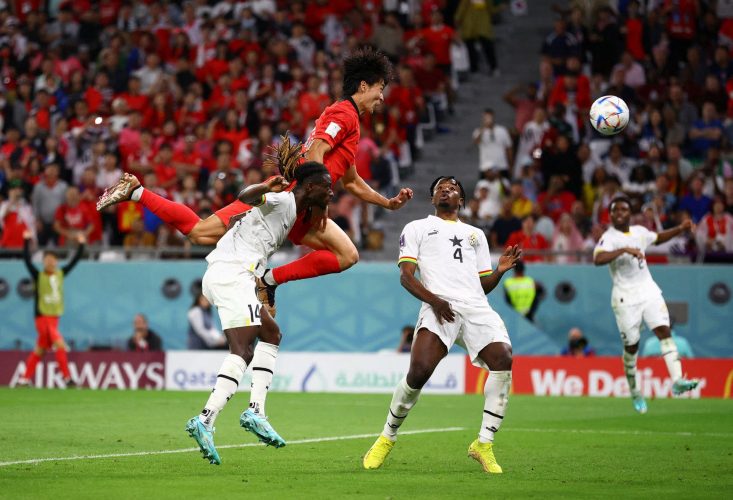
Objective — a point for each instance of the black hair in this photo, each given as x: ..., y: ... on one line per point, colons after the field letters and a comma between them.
x: 519, y: 267
x: 365, y: 65
x: 619, y: 199
x: 448, y: 177
x: 309, y: 171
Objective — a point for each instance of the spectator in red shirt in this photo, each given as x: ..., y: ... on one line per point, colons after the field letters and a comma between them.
x: 89, y: 192
x: 136, y: 100
x: 71, y: 218
x: 312, y: 102
x: 634, y: 30
x: 165, y: 172
x: 158, y: 113
x: 16, y: 216
x: 556, y: 200
x: 434, y: 82
x: 437, y: 40
x: 528, y: 240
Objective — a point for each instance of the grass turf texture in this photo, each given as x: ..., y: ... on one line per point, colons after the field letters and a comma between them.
x: 549, y: 447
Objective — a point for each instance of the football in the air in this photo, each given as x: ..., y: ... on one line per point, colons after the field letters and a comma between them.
x: 609, y: 115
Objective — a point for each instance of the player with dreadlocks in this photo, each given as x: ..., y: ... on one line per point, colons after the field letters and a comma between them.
x: 333, y: 142
x: 455, y: 276
x: 239, y: 258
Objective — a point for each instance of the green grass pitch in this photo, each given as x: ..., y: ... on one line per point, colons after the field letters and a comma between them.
x: 549, y: 448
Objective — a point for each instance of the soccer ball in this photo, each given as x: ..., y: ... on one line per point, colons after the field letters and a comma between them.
x: 609, y: 115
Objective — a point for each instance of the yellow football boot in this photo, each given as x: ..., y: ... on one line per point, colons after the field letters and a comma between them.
x: 483, y: 454
x: 374, y: 458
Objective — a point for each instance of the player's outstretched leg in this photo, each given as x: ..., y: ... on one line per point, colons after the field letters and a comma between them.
x: 334, y: 252
x: 178, y: 215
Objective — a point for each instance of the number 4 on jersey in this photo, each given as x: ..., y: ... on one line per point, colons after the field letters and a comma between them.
x: 458, y: 255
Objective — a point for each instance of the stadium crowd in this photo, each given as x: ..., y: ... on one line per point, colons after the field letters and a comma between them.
x: 188, y: 96
x: 547, y: 179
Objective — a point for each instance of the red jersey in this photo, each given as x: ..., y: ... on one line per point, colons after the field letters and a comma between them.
x: 338, y: 125
x: 437, y: 41
x: 72, y: 218
x: 525, y: 242
x: 13, y: 228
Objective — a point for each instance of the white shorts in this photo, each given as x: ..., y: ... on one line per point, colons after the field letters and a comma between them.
x: 473, y: 329
x: 232, y: 290
x: 652, y: 311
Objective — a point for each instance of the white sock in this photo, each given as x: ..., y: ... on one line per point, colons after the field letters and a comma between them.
x: 269, y: 278
x: 227, y: 381
x: 630, y: 371
x: 671, y: 358
x: 496, y: 392
x: 403, y: 399
x: 263, y: 366
x: 137, y: 193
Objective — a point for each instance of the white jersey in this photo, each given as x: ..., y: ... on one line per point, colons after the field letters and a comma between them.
x: 451, y: 257
x: 632, y: 281
x: 257, y: 235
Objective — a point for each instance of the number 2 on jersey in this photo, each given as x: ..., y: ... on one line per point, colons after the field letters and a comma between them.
x: 458, y: 255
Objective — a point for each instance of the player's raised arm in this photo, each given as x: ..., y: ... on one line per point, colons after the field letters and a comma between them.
x: 667, y: 235
x: 318, y: 150
x: 410, y: 283
x: 32, y: 270
x: 253, y: 195
x: 359, y: 188
x: 507, y: 261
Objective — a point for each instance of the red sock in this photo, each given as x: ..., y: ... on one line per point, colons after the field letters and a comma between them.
x: 30, y: 365
x: 63, y: 362
x: 314, y: 264
x: 177, y: 215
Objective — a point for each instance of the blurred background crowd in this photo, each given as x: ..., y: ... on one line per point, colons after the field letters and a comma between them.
x: 189, y: 95
x: 548, y: 177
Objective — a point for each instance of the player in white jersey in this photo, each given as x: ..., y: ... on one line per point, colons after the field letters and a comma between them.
x: 455, y: 276
x: 635, y: 296
x: 239, y: 258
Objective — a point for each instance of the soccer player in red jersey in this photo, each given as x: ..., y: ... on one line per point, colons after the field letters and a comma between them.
x: 49, y: 306
x: 332, y: 142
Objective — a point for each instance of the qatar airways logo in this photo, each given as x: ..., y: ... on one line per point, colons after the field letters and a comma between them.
x: 101, y: 375
x: 603, y: 383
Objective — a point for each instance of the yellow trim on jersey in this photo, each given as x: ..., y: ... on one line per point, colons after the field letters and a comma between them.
x: 481, y: 274
x: 262, y: 202
x: 596, y: 251
x: 412, y: 260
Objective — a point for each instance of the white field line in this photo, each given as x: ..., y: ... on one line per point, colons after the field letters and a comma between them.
x: 362, y: 436
x: 620, y: 432
x: 245, y: 445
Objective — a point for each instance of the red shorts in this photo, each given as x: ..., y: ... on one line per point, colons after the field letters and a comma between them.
x: 48, y: 331
x: 296, y: 235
